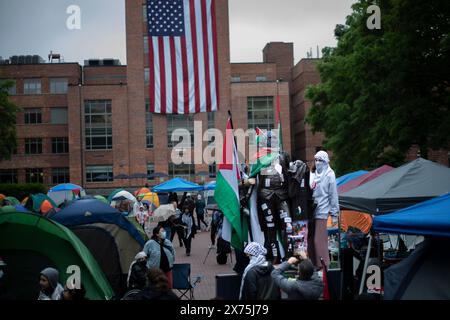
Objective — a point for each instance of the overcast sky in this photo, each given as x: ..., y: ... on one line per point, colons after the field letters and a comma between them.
x: 38, y: 26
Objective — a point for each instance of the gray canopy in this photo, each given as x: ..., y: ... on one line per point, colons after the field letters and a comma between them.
x: 402, y: 187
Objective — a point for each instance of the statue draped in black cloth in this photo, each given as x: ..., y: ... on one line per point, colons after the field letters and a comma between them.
x: 273, y: 208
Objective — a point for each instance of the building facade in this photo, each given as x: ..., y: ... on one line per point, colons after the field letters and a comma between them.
x: 90, y: 124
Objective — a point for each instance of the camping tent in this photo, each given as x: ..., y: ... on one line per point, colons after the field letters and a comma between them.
x: 177, y: 185
x: 421, y: 276
x: 40, y: 203
x: 429, y: 218
x: 110, y: 237
x: 414, y: 182
x: 30, y: 242
x: 364, y: 178
x: 349, y: 177
x: 65, y: 192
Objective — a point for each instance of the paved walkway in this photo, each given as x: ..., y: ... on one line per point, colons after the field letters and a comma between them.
x: 206, y: 289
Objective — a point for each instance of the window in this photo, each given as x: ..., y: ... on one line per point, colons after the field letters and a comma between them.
x: 211, y: 118
x: 148, y: 125
x: 146, y: 44
x: 33, y: 115
x: 144, y: 12
x: 58, y: 85
x: 60, y: 175
x: 260, y: 113
x: 12, y: 89
x: 60, y: 145
x: 59, y: 115
x: 212, y: 170
x: 99, y: 173
x: 32, y: 86
x: 146, y: 76
x: 35, y: 175
x: 8, y: 176
x: 185, y: 171
x: 98, y: 122
x: 180, y: 121
x: 261, y: 78
x: 33, y: 146
x: 235, y: 79
x: 150, y: 170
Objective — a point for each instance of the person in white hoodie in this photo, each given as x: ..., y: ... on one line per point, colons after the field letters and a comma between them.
x: 323, y: 184
x: 51, y: 289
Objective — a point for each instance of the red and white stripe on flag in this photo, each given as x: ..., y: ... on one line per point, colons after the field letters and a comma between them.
x: 182, y: 56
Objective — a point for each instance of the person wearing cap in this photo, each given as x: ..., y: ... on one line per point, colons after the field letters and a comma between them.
x: 306, y: 286
x: 137, y: 273
x: 257, y: 283
x: 323, y: 184
x: 51, y: 289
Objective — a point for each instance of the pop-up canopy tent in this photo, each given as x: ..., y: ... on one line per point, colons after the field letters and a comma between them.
x: 349, y: 177
x: 210, y: 186
x: 29, y: 243
x: 177, y: 185
x: 429, y: 218
x: 110, y: 237
x: 414, y: 182
x: 364, y: 178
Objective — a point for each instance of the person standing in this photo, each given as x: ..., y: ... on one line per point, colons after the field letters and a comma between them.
x: 323, y: 184
x: 200, y: 210
x: 176, y: 226
x: 160, y: 252
x: 190, y: 230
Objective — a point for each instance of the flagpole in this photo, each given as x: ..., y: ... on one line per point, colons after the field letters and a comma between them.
x: 278, y: 116
x: 240, y: 211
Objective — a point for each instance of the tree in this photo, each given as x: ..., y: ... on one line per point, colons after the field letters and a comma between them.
x: 8, y: 111
x: 385, y: 90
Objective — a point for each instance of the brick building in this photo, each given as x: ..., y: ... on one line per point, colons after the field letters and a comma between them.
x: 90, y: 124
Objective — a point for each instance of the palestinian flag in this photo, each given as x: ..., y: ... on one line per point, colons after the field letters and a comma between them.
x: 226, y: 193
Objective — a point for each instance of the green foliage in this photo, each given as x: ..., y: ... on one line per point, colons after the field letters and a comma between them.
x: 8, y: 111
x: 385, y: 90
x: 22, y: 190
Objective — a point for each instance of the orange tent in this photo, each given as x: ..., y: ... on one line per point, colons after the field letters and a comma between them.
x: 46, y: 206
x: 151, y: 197
x: 141, y: 190
x: 350, y: 218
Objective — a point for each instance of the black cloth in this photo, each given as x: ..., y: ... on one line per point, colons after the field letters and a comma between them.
x: 201, y: 218
x: 300, y: 194
x: 164, y: 264
x: 138, y: 276
x: 173, y: 197
x: 177, y: 228
x: 259, y: 284
x: 150, y: 293
x: 187, y: 243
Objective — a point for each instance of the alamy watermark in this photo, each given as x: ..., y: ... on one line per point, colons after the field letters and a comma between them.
x: 73, y: 22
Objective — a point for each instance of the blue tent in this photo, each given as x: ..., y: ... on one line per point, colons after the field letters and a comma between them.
x: 177, y: 185
x: 429, y: 218
x: 210, y: 186
x: 349, y: 176
x: 89, y: 211
x: 64, y: 187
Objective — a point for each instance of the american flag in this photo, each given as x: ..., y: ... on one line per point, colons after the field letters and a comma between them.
x: 183, y: 56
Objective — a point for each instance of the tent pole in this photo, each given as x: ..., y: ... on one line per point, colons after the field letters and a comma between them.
x: 366, y: 262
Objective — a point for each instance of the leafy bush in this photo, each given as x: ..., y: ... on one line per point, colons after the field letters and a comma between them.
x: 21, y: 190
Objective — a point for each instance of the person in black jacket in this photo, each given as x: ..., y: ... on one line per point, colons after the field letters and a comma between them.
x: 158, y: 287
x: 307, y: 286
x: 137, y: 275
x: 257, y: 283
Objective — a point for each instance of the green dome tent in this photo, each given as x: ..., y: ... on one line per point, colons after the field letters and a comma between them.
x: 30, y: 242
